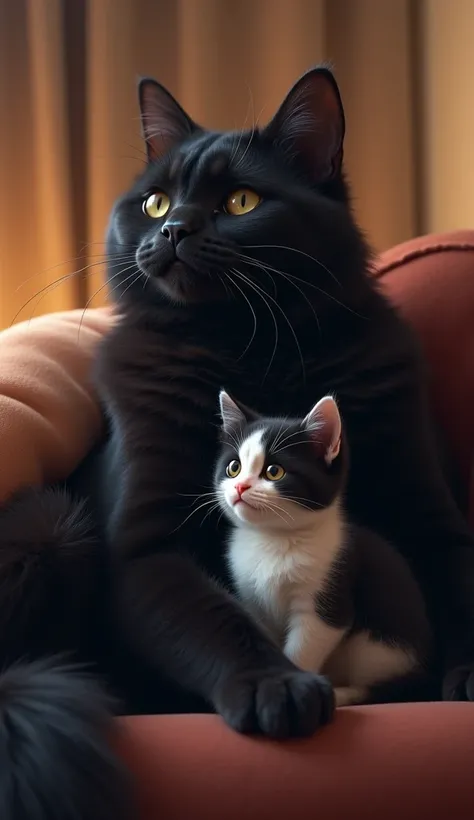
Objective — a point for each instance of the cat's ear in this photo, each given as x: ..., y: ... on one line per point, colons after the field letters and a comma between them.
x: 324, y: 425
x: 164, y: 122
x: 233, y: 414
x: 310, y: 124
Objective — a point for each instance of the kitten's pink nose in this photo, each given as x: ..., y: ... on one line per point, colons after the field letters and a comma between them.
x: 241, y: 487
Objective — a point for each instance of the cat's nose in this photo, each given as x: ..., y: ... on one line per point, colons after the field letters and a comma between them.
x: 182, y: 223
x: 241, y: 487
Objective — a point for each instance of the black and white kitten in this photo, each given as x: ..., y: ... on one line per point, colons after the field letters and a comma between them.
x: 337, y: 598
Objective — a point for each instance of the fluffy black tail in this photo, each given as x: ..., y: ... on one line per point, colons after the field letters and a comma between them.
x: 56, y: 761
x: 51, y: 577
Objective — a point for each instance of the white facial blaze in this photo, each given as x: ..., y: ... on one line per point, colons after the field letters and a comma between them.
x: 252, y: 457
x: 261, y: 494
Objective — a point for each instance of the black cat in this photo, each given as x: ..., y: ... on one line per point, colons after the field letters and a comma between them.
x: 245, y: 268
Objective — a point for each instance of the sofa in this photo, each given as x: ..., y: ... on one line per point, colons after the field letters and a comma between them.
x: 410, y: 761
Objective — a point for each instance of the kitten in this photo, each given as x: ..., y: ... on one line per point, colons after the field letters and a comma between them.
x: 337, y: 598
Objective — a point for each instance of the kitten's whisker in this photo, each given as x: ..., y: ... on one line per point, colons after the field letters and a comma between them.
x: 274, y: 508
x: 196, y: 497
x: 295, y: 444
x: 209, y: 512
x: 237, y: 442
x: 295, y: 499
x: 287, y: 437
x: 278, y: 436
x: 193, y: 512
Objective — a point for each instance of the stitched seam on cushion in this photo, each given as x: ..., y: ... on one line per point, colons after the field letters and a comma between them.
x: 419, y: 252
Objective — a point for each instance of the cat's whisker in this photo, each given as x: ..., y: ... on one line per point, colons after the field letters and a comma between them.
x: 102, y: 260
x: 139, y: 276
x: 253, y: 315
x: 292, y: 330
x: 249, y: 282
x: 242, y: 130
x: 225, y: 285
x: 102, y: 287
x: 303, y: 253
x: 51, y: 286
x: 250, y: 260
x: 289, y: 278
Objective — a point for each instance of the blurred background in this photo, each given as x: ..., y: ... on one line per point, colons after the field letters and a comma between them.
x: 69, y: 133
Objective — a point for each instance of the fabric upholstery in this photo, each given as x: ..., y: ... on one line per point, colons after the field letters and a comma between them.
x: 411, y: 762
x: 49, y: 415
x: 431, y: 279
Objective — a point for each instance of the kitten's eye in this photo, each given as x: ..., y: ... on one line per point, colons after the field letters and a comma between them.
x: 274, y: 472
x: 233, y: 469
x: 241, y: 202
x: 156, y: 205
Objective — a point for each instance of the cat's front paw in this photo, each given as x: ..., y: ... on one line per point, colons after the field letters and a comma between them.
x: 458, y: 684
x: 276, y: 703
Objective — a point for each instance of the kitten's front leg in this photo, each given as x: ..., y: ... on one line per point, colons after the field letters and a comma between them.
x: 310, y: 641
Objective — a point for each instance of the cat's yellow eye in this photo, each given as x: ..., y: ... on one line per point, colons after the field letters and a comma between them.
x: 274, y: 472
x: 156, y: 205
x: 241, y: 202
x: 233, y: 469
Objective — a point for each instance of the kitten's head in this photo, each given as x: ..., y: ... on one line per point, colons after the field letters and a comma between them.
x: 218, y: 215
x: 279, y: 473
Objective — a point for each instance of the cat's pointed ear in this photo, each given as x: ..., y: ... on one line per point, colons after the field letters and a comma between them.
x: 233, y: 414
x: 310, y: 124
x: 164, y: 122
x: 324, y: 425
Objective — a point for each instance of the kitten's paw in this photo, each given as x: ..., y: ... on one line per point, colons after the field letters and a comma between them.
x: 458, y: 684
x: 277, y: 704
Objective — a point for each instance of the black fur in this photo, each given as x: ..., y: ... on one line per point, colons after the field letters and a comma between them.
x: 56, y: 760
x: 300, y: 318
x: 51, y: 576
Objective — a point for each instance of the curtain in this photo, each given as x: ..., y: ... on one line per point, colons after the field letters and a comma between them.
x: 69, y: 133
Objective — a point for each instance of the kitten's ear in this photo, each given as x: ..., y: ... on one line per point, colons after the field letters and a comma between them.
x: 164, y: 122
x: 310, y: 124
x: 234, y: 415
x: 324, y: 425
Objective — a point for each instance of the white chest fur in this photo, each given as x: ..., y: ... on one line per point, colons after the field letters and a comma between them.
x: 277, y: 573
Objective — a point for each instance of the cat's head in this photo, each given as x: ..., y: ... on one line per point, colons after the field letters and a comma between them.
x: 279, y: 473
x: 217, y: 216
